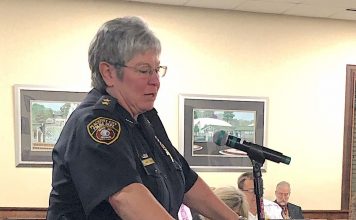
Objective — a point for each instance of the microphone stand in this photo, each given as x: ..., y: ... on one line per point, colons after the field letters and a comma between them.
x: 257, y: 158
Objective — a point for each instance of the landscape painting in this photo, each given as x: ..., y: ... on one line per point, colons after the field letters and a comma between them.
x: 200, y: 116
x: 40, y: 114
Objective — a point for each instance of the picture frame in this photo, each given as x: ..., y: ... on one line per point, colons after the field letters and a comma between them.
x: 200, y: 116
x: 40, y: 114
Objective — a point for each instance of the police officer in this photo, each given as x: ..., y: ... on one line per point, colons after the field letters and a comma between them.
x: 113, y: 159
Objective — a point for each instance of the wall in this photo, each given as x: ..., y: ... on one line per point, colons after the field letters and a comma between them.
x: 298, y: 63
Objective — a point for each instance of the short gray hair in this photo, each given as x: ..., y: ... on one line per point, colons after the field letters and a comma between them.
x: 118, y: 41
x: 282, y: 183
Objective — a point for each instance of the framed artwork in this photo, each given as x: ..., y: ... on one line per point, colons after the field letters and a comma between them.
x: 40, y: 114
x: 200, y: 116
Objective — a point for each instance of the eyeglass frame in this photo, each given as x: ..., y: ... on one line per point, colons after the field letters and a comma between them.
x: 150, y: 72
x: 248, y: 190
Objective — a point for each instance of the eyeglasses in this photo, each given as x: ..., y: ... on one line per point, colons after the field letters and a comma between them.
x: 249, y: 190
x: 145, y: 69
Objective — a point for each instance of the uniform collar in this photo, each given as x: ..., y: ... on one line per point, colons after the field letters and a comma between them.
x: 102, y: 100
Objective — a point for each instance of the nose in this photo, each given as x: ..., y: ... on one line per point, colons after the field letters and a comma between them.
x: 154, y: 79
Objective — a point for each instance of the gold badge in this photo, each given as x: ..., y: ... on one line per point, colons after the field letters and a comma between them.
x: 148, y: 161
x: 104, y: 130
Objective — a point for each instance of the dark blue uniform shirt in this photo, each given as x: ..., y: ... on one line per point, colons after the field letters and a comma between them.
x: 102, y: 149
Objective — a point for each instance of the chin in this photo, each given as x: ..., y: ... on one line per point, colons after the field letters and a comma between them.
x: 147, y: 108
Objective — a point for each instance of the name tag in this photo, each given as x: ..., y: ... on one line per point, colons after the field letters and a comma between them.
x: 147, y: 161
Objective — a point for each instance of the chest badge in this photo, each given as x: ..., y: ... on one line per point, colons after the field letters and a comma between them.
x: 104, y: 130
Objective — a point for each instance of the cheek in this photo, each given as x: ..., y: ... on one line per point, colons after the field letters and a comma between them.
x: 136, y: 86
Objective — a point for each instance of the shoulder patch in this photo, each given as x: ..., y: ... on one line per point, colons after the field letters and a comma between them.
x: 104, y: 130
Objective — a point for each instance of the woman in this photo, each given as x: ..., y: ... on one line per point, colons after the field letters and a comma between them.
x: 113, y: 159
x: 233, y: 198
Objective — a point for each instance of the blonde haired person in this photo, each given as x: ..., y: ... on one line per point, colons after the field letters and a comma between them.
x: 234, y: 198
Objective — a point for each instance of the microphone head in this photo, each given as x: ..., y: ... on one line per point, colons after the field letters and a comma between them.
x: 286, y: 160
x: 220, y: 138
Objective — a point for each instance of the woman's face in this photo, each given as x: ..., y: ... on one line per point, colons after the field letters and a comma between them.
x: 248, y: 189
x: 137, y: 90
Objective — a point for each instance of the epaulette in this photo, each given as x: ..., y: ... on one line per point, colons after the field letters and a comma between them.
x: 106, y: 102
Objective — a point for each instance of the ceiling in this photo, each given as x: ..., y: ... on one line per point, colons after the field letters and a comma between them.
x: 332, y: 9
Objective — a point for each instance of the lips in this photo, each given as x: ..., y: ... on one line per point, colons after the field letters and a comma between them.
x: 153, y: 94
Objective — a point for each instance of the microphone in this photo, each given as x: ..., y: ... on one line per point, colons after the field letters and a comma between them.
x: 221, y: 138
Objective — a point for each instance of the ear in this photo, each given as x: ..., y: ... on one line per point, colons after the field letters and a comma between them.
x: 108, y: 73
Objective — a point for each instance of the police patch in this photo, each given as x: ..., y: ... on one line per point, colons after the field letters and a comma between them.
x: 104, y: 130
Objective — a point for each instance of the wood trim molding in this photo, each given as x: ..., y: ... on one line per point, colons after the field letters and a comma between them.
x: 25, y: 213
x: 19, y: 213
x: 326, y: 214
x: 347, y: 148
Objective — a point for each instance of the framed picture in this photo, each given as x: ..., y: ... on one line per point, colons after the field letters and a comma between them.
x: 200, y: 116
x: 40, y: 114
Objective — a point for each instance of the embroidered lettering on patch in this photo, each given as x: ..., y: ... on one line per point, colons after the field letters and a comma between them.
x: 104, y: 130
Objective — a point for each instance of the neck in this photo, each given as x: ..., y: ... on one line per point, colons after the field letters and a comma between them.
x: 120, y: 99
x: 281, y: 204
x: 253, y: 210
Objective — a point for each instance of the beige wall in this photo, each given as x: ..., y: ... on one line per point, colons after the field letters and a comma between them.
x: 298, y: 63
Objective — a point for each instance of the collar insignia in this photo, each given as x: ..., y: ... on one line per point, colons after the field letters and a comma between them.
x: 106, y: 101
x: 104, y: 130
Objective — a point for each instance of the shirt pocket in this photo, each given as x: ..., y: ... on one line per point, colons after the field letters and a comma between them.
x: 156, y: 184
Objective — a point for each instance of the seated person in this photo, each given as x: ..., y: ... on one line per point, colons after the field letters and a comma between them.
x: 233, y: 198
x: 289, y: 210
x: 272, y: 210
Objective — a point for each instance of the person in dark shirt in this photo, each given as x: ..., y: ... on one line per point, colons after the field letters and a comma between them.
x: 289, y: 210
x: 113, y: 159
